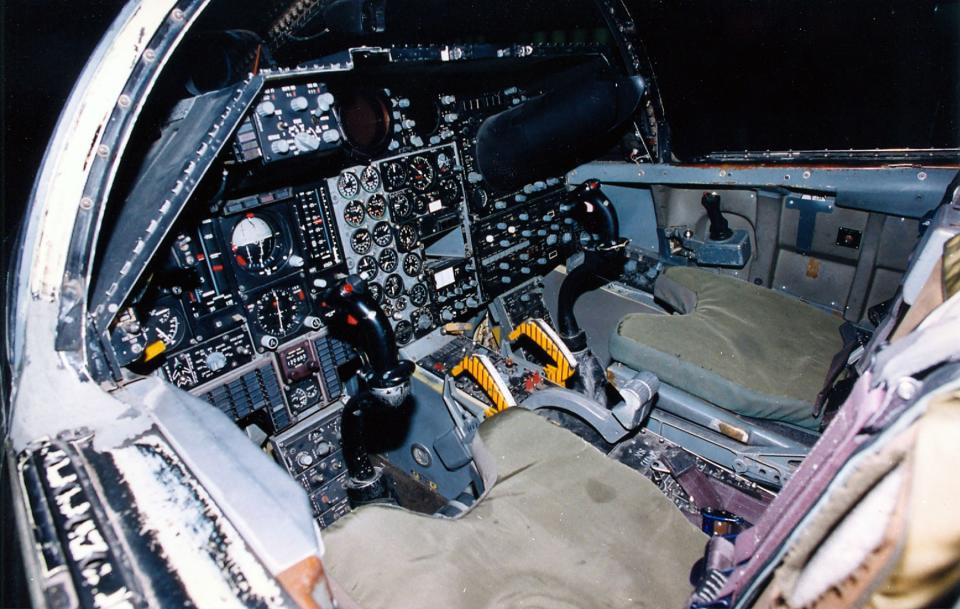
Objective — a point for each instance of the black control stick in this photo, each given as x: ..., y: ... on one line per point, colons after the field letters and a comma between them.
x: 596, y: 214
x: 353, y: 316
x: 591, y: 208
x: 719, y: 228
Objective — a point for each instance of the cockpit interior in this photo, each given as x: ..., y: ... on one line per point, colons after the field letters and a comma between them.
x: 423, y: 291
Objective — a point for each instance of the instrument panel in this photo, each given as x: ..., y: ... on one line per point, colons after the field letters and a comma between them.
x: 372, y: 183
x: 386, y: 211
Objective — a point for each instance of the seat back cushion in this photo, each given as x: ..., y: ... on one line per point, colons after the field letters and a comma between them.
x: 742, y: 347
x: 564, y: 526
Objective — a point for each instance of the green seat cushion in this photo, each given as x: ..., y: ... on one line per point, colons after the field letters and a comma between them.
x: 742, y: 347
x: 564, y: 526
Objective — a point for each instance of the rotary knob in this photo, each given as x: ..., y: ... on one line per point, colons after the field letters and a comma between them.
x: 216, y: 361
x: 266, y: 108
x: 299, y: 103
x: 325, y: 102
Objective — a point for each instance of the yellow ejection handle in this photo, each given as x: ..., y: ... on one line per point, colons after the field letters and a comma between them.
x: 482, y: 370
x: 540, y: 332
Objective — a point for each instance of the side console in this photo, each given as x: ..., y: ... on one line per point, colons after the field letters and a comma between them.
x: 311, y: 451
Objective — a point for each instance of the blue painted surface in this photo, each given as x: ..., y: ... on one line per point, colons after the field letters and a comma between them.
x: 638, y: 218
x: 909, y: 192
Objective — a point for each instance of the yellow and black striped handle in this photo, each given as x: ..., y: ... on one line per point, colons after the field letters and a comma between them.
x: 482, y: 370
x: 540, y: 332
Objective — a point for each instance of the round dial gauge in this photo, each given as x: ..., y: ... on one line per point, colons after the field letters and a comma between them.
x: 370, y: 179
x: 407, y: 236
x: 376, y: 291
x: 403, y: 332
x: 166, y: 324
x: 256, y: 245
x: 387, y: 307
x: 421, y: 173
x: 444, y: 163
x: 394, y: 175
x: 280, y: 311
x: 348, y: 185
x: 382, y: 234
x: 304, y: 395
x: 422, y: 320
x: 419, y: 295
x: 479, y: 200
x: 367, y: 267
x: 400, y: 205
x: 449, y: 191
x: 377, y: 207
x: 388, y: 260
x: 361, y: 241
x: 412, y: 265
x: 399, y: 304
x: 393, y: 286
x: 353, y: 213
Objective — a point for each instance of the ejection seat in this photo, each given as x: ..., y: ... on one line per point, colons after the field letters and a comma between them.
x: 744, y: 361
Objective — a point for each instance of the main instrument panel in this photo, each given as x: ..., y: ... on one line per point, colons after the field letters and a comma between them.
x: 325, y: 179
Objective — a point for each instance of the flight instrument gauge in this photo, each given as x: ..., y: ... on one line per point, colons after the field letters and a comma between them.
x: 394, y: 175
x: 388, y: 260
x: 370, y: 179
x: 412, y: 265
x: 393, y: 286
x: 353, y: 213
x: 450, y: 192
x: 376, y: 291
x: 382, y: 234
x: 479, y: 200
x: 421, y: 173
x: 360, y: 241
x: 377, y: 207
x: 279, y: 312
x: 419, y: 295
x: 403, y: 332
x: 367, y: 267
x: 257, y: 246
x: 407, y: 236
x: 166, y: 324
x: 400, y: 205
x: 348, y: 185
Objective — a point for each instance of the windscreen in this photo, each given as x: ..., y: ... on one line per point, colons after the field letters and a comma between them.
x: 759, y: 75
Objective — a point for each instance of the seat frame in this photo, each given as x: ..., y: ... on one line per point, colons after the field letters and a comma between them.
x: 748, y: 447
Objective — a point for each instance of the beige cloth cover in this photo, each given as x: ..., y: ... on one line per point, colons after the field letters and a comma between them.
x: 564, y: 526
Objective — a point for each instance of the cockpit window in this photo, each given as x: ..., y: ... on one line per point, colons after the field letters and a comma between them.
x: 772, y: 75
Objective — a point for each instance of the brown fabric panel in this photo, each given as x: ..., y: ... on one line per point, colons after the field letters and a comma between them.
x: 849, y: 581
x: 929, y: 565
x: 929, y: 298
x: 564, y: 526
x: 916, y: 561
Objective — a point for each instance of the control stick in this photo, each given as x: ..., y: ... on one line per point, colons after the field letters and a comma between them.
x: 353, y: 316
x: 719, y: 228
x: 591, y: 208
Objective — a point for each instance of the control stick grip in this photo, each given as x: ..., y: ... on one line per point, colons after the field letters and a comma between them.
x: 353, y: 316
x: 594, y: 211
x: 719, y: 228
